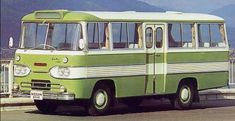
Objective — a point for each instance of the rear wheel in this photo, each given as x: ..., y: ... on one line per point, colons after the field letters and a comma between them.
x: 45, y: 106
x: 100, y: 101
x: 184, y: 96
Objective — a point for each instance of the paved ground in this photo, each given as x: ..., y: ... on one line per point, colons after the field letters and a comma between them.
x: 222, y: 110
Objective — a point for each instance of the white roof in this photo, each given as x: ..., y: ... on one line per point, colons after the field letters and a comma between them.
x: 155, y: 16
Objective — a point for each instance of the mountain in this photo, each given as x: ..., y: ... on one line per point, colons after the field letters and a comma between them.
x: 227, y: 12
x: 13, y: 10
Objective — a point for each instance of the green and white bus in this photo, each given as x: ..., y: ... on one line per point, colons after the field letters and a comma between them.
x: 98, y: 58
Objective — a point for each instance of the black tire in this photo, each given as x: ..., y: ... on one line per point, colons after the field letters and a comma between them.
x: 132, y: 102
x: 100, y: 101
x: 184, y: 97
x: 45, y: 106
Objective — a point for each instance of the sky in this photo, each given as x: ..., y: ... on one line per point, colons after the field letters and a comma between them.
x: 205, y: 6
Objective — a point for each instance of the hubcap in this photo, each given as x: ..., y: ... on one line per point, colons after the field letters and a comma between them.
x: 100, y: 99
x: 184, y: 94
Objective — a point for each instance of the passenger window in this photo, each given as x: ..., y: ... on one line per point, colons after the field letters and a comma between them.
x: 187, y: 35
x: 159, y: 37
x: 211, y: 35
x: 204, y: 35
x: 149, y: 37
x: 98, y: 36
x: 180, y: 35
x: 127, y: 35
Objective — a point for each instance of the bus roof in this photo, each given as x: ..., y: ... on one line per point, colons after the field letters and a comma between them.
x: 127, y: 16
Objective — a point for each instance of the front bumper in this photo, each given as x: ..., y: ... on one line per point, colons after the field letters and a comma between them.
x: 47, y: 95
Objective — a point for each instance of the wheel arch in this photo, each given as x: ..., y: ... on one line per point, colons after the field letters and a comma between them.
x: 109, y: 82
x: 189, y: 80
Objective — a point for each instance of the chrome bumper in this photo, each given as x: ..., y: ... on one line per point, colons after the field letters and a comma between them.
x: 47, y: 95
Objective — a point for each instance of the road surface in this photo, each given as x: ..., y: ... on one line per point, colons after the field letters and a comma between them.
x: 151, y: 110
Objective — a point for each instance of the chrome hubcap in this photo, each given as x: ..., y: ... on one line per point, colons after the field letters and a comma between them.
x: 184, y: 94
x: 100, y: 99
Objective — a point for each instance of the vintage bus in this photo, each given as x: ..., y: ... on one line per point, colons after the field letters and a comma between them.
x: 96, y: 59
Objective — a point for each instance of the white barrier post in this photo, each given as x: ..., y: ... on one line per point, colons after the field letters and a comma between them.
x: 10, y: 83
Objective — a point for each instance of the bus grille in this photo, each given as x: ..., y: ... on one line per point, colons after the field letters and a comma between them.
x: 40, y: 85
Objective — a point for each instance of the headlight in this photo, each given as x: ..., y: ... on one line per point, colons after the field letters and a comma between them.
x: 68, y: 72
x: 60, y: 72
x: 17, y: 58
x: 64, y: 71
x: 20, y: 70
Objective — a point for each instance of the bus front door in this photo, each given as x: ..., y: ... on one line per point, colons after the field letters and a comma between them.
x: 155, y: 40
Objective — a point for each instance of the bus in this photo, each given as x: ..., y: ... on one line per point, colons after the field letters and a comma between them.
x: 96, y: 59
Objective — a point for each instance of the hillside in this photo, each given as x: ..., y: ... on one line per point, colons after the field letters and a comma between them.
x: 227, y: 12
x: 13, y: 10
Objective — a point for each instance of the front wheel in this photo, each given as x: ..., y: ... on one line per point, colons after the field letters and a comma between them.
x: 100, y: 101
x: 45, y: 106
x: 184, y: 97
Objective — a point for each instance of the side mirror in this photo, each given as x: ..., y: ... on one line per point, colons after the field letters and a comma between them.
x: 82, y: 44
x: 11, y: 42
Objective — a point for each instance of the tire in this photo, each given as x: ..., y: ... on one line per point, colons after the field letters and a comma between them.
x: 184, y: 97
x: 132, y: 102
x: 46, y: 107
x: 100, y: 101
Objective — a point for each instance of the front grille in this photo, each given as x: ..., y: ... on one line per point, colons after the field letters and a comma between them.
x: 41, y: 84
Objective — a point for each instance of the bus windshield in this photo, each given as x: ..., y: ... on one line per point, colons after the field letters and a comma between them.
x: 51, y: 36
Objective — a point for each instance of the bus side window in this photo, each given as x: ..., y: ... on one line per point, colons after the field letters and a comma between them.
x: 204, y: 35
x: 180, y: 35
x: 211, y: 35
x: 149, y: 37
x: 127, y: 35
x: 98, y: 36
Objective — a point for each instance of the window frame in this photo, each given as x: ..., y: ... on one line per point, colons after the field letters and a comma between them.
x: 181, y: 30
x: 127, y: 48
x: 23, y: 30
x: 109, y: 36
x: 156, y: 37
x: 224, y: 35
x: 152, y: 32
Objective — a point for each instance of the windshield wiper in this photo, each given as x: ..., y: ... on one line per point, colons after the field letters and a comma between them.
x: 44, y: 45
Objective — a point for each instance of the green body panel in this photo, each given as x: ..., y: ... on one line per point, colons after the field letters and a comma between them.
x: 129, y: 86
x: 191, y: 57
x: 80, y: 60
x: 81, y: 88
x: 115, y: 59
x: 125, y: 86
x: 156, y: 87
x: 68, y: 17
x: 204, y: 80
x: 158, y: 58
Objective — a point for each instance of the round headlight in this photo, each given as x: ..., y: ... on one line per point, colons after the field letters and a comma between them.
x: 17, y: 70
x: 64, y: 71
x: 17, y: 58
x: 20, y: 70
